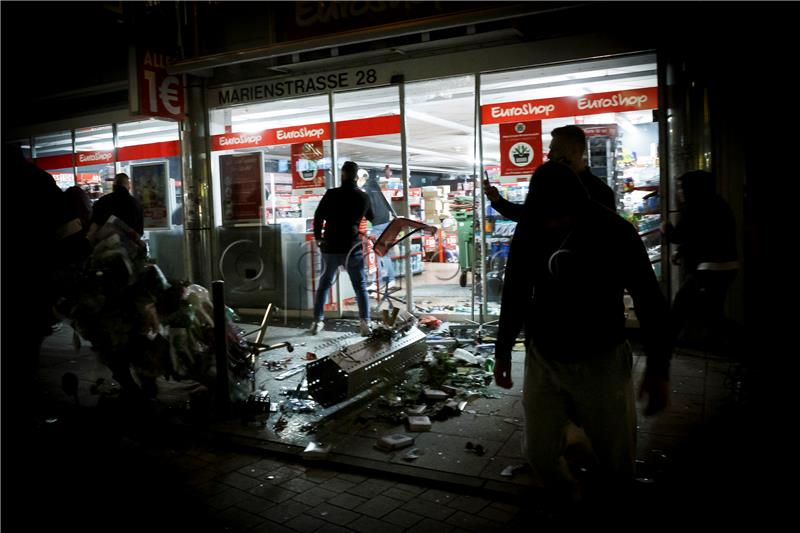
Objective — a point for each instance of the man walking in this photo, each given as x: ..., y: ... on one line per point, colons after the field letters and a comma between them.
x: 119, y: 203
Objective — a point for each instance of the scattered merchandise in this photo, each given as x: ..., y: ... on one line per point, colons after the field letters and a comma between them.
x: 394, y: 442
x: 419, y: 423
x: 316, y: 451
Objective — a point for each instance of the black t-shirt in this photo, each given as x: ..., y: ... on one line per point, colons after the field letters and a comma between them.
x: 122, y: 205
x: 341, y: 209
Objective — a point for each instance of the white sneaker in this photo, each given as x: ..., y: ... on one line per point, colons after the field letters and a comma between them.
x: 363, y: 327
x: 316, y: 327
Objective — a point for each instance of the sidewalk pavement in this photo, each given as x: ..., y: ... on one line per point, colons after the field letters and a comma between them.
x: 113, y: 467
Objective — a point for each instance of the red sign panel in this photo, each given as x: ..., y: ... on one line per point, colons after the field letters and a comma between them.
x: 149, y: 151
x: 571, y: 106
x: 84, y: 159
x: 345, y: 129
x: 520, y: 148
x: 242, y: 190
x: 160, y: 94
x: 54, y: 162
x: 306, y: 173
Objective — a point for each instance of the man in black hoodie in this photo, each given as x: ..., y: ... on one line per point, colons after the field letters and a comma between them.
x: 570, y: 262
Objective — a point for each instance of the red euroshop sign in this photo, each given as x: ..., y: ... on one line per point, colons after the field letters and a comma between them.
x: 160, y: 93
x: 85, y: 159
x: 346, y: 129
x: 54, y: 162
x: 570, y: 106
x: 306, y: 173
x: 520, y: 148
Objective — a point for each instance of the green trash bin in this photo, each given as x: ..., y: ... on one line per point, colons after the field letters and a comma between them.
x: 465, y: 239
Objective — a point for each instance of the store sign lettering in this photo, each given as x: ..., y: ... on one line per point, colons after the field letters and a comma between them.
x: 90, y: 158
x: 245, y: 139
x: 299, y: 86
x: 571, y: 106
x: 316, y: 133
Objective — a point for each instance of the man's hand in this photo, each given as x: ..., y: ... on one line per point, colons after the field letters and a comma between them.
x: 502, y: 373
x: 657, y: 392
x: 319, y: 243
x: 491, y: 191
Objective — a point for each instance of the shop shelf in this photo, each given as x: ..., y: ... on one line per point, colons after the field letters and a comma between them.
x: 648, y: 232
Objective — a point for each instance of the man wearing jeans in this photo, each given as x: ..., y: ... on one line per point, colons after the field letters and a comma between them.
x: 339, y: 213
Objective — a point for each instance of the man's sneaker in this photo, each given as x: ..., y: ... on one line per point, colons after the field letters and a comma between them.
x: 363, y: 327
x: 316, y: 327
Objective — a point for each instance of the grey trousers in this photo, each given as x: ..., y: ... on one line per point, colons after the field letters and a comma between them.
x: 599, y: 393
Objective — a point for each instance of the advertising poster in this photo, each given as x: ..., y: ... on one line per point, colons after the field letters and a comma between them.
x: 242, y: 187
x: 306, y: 173
x: 520, y: 148
x: 149, y: 184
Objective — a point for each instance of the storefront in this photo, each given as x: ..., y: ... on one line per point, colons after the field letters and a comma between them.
x: 148, y: 151
x: 277, y: 145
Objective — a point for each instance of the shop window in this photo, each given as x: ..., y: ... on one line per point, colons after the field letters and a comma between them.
x: 149, y: 152
x: 440, y: 119
x: 94, y: 160
x: 53, y: 153
x: 612, y: 100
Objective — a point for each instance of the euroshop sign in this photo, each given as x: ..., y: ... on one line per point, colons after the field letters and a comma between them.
x: 570, y: 106
x: 275, y: 89
x: 84, y: 159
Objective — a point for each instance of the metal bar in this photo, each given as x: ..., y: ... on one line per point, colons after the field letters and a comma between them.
x: 222, y: 394
x: 483, y: 199
x: 335, y: 183
x: 406, y: 192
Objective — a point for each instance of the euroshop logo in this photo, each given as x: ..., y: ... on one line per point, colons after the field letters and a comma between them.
x: 244, y: 139
x: 304, y: 132
x: 523, y: 110
x: 97, y: 156
x: 617, y: 100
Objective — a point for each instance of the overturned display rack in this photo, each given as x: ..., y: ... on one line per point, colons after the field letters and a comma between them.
x: 353, y: 369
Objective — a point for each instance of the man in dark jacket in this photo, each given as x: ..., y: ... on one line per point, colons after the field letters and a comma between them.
x: 119, y: 203
x: 568, y: 146
x: 339, y: 213
x: 569, y: 264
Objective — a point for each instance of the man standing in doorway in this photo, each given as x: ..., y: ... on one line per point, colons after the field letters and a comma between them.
x: 568, y: 146
x: 340, y: 212
x: 119, y: 203
x: 384, y: 213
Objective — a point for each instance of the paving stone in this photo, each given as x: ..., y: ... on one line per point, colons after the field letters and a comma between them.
x: 370, y: 488
x: 314, y: 496
x: 211, y: 488
x: 337, y: 484
x: 470, y: 504
x: 305, y: 523
x: 281, y: 475
x: 347, y: 501
x: 298, y: 485
x: 232, y: 464
x: 333, y: 514
x: 428, y: 509
x: 413, y: 489
x: 402, y: 518
x: 428, y: 525
x: 226, y: 499
x: 366, y: 524
x: 285, y: 511
x: 496, y: 515
x: 239, y: 481
x: 254, y: 504
x: 199, y: 477
x: 437, y: 496
x: 471, y: 522
x: 378, y: 506
x: 507, y: 507
x: 398, y: 494
x: 272, y: 493
x: 240, y: 518
x: 272, y: 527
x: 318, y: 475
x: 255, y: 471
x: 352, y: 478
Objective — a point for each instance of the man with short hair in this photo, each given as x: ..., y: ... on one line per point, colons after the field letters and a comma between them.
x: 567, y: 146
x: 339, y: 213
x: 119, y: 203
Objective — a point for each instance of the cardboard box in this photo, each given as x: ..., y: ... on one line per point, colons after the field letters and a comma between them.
x: 419, y: 423
x: 394, y: 442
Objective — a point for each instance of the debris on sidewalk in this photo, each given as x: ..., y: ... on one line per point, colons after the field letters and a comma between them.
x: 413, y: 453
x: 316, y: 451
x: 394, y: 442
x: 419, y: 423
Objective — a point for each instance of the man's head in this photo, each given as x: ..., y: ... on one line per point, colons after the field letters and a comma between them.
x: 568, y: 147
x: 122, y: 181
x: 387, y: 172
x: 556, y: 195
x: 696, y: 185
x: 349, y: 171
